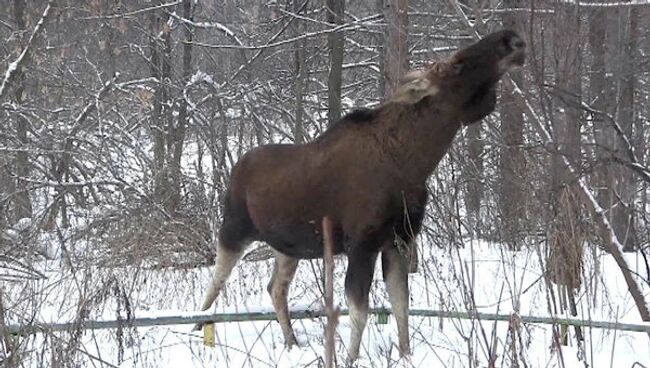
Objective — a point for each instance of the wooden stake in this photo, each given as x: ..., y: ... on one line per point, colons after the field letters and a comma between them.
x: 332, y: 313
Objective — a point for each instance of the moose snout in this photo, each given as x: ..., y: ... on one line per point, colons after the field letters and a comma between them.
x: 511, y: 50
x: 517, y: 49
x: 516, y: 43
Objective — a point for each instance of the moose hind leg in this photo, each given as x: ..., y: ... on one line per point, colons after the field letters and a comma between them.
x: 224, y: 263
x: 284, y: 269
x: 234, y: 236
x: 395, y: 271
x: 358, y: 278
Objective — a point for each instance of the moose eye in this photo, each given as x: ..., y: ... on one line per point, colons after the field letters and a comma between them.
x: 457, y: 68
x: 507, y: 43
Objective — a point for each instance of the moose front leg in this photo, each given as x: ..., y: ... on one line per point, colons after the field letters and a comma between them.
x: 358, y: 278
x: 480, y: 106
x: 395, y: 270
x: 284, y: 269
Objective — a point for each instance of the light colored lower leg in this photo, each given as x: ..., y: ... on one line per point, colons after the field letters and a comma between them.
x: 396, y: 279
x: 358, y: 320
x: 284, y: 269
x: 224, y: 263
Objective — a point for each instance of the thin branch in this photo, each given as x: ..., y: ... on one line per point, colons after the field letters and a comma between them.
x: 5, y: 333
x: 342, y: 27
x: 634, y: 161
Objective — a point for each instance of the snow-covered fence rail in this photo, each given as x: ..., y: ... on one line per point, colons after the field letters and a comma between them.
x: 193, y: 318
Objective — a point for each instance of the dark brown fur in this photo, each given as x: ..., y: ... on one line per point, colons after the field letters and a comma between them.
x: 367, y: 173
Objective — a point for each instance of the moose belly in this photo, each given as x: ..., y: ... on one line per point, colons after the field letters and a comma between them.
x: 303, y: 241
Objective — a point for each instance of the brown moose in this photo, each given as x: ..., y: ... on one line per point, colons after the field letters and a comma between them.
x: 368, y: 174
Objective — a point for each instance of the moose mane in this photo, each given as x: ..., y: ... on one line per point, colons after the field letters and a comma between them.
x: 355, y: 119
x: 408, y: 94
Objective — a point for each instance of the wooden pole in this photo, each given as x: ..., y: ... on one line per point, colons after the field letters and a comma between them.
x: 332, y: 313
x: 264, y: 315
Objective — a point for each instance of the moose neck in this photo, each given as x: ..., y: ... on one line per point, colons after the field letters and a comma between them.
x: 421, y: 136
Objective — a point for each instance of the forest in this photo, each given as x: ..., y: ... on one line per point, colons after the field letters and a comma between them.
x: 120, y: 122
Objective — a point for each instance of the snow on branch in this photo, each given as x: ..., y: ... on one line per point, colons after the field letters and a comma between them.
x: 207, y: 25
x: 612, y: 4
x: 13, y: 67
x: 135, y: 12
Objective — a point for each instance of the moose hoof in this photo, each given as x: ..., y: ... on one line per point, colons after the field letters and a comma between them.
x: 290, y: 342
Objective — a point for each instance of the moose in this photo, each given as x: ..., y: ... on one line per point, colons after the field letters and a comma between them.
x: 367, y: 173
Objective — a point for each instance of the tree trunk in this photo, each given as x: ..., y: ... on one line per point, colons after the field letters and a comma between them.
x: 565, y: 259
x: 335, y: 41
x: 300, y: 81
x: 639, y: 141
x: 472, y: 171
x: 622, y: 214
x: 472, y: 167
x: 157, y: 128
x: 22, y: 202
x: 394, y: 63
x: 395, y: 48
x: 615, y: 192
x: 512, y: 201
x: 176, y: 134
x: 600, y: 88
x: 162, y: 122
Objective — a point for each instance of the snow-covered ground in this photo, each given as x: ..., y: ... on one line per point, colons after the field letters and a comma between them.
x: 497, y: 280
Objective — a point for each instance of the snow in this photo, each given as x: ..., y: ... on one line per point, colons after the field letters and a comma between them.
x: 499, y: 281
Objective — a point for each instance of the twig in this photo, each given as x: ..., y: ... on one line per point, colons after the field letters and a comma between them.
x: 5, y: 334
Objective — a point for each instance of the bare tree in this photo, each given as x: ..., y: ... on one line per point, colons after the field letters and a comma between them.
x: 566, y: 238
x: 22, y: 202
x: 179, y: 128
x: 512, y: 164
x: 336, y: 42
x: 623, y: 212
x: 300, y: 76
x: 395, y: 47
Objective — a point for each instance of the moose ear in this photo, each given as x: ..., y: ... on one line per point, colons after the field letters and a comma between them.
x: 414, y: 91
x: 412, y: 75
